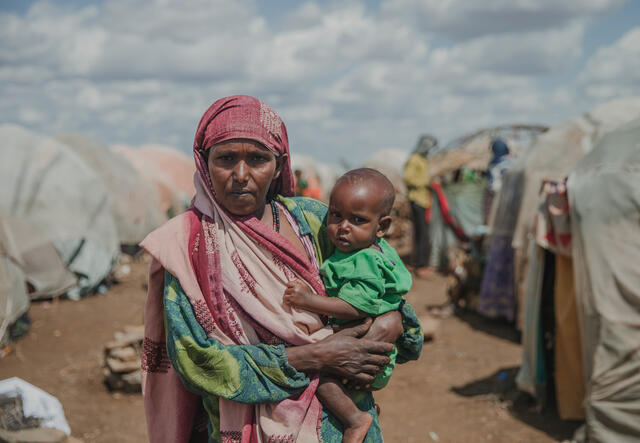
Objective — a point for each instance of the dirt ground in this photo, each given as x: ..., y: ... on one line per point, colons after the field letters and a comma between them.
x: 461, y: 390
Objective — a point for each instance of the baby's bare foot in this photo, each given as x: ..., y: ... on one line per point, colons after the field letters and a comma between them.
x: 358, y: 428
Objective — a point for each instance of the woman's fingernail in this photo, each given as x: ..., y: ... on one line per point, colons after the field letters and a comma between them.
x: 367, y: 386
x: 345, y: 381
x: 357, y: 388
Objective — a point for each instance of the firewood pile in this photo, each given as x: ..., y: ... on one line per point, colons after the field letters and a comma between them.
x: 122, y: 360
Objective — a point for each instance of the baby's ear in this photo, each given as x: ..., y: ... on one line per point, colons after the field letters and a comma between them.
x: 383, y: 226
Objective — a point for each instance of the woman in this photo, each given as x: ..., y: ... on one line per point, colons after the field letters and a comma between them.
x: 223, y: 359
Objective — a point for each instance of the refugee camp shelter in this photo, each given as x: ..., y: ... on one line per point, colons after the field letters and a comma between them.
x: 170, y: 171
x: 473, y: 151
x: 133, y: 202
x: 45, y: 184
x: 604, y: 201
x: 550, y: 157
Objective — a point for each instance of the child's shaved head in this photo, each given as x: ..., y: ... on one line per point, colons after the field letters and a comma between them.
x: 371, y: 178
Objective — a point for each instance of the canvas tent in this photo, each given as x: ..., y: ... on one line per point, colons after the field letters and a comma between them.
x: 14, y: 301
x: 170, y: 171
x: 47, y: 185
x: 133, y: 203
x: 604, y: 200
x: 550, y: 157
x: 474, y: 151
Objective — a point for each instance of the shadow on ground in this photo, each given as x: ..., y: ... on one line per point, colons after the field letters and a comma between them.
x: 497, y: 327
x: 500, y: 387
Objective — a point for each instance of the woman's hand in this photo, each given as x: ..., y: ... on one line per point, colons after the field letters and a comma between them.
x: 343, y: 355
x: 386, y: 327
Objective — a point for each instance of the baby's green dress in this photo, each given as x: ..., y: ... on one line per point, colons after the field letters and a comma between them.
x: 372, y: 280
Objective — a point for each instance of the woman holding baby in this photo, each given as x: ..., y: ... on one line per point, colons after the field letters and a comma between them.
x: 225, y: 357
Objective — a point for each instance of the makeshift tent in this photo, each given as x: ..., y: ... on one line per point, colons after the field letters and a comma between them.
x: 170, y: 171
x: 474, y: 151
x: 133, y: 203
x: 551, y: 156
x: 47, y: 185
x: 43, y: 268
x: 326, y: 173
x: 604, y: 199
x: 14, y: 301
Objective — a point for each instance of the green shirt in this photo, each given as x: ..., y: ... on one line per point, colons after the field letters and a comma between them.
x: 371, y: 280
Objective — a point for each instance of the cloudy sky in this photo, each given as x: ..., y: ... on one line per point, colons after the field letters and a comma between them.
x: 348, y: 77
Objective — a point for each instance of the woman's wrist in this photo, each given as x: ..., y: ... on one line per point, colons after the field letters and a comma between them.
x: 305, y: 358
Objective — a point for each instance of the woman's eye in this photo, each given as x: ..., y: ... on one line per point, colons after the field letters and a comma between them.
x: 259, y: 159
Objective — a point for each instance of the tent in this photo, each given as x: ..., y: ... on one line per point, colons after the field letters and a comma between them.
x: 47, y: 185
x: 14, y: 301
x: 474, y: 151
x: 604, y: 200
x: 133, y: 202
x: 550, y: 157
x: 170, y: 171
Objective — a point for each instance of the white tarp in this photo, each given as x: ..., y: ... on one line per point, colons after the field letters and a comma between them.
x: 133, y: 202
x: 36, y: 403
x: 44, y: 183
x: 604, y: 197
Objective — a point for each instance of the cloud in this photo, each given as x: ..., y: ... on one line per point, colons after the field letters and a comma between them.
x: 460, y: 19
x: 614, y: 71
x: 347, y: 79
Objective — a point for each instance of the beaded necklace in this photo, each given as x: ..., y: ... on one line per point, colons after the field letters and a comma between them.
x: 276, y: 216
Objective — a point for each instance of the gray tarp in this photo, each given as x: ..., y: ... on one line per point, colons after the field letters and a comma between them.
x: 604, y: 194
x: 44, y: 183
x: 133, y: 201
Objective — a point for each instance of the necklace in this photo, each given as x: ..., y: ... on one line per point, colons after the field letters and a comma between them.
x: 276, y: 215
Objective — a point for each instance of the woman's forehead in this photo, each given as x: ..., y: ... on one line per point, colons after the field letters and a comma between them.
x: 240, y: 145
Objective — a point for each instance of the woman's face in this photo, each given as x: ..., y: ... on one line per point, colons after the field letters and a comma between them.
x: 241, y: 173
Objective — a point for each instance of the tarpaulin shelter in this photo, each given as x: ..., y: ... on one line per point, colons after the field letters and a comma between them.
x: 47, y: 185
x: 170, y: 170
x: 133, y: 202
x: 604, y: 201
x: 474, y: 151
x: 555, y: 276
x: 550, y: 157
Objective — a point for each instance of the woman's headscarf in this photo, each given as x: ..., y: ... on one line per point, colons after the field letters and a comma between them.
x: 243, y: 117
x: 234, y: 270
x: 500, y: 150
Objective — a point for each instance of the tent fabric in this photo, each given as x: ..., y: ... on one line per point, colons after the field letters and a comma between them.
x: 604, y: 197
x: 531, y: 376
x: 133, y: 202
x: 37, y: 258
x: 14, y: 301
x: 555, y: 152
x: 569, y: 372
x: 46, y: 184
x: 170, y: 171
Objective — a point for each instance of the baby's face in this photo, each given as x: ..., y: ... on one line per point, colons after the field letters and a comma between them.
x: 354, y: 216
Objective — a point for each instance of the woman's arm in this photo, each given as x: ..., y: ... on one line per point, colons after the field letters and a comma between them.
x: 243, y: 373
x: 260, y: 373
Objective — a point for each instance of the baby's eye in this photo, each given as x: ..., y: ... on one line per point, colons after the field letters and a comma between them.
x: 359, y: 220
x: 334, y: 214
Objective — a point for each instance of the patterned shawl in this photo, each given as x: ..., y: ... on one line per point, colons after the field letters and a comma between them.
x: 234, y: 271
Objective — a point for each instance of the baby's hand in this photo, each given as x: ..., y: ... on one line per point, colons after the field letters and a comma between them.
x: 297, y: 293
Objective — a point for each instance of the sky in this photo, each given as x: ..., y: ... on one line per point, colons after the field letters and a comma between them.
x: 348, y: 77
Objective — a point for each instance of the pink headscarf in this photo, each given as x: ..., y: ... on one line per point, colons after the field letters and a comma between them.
x: 244, y: 117
x: 233, y: 270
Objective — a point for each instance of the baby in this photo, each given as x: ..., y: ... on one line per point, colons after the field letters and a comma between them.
x: 363, y: 278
